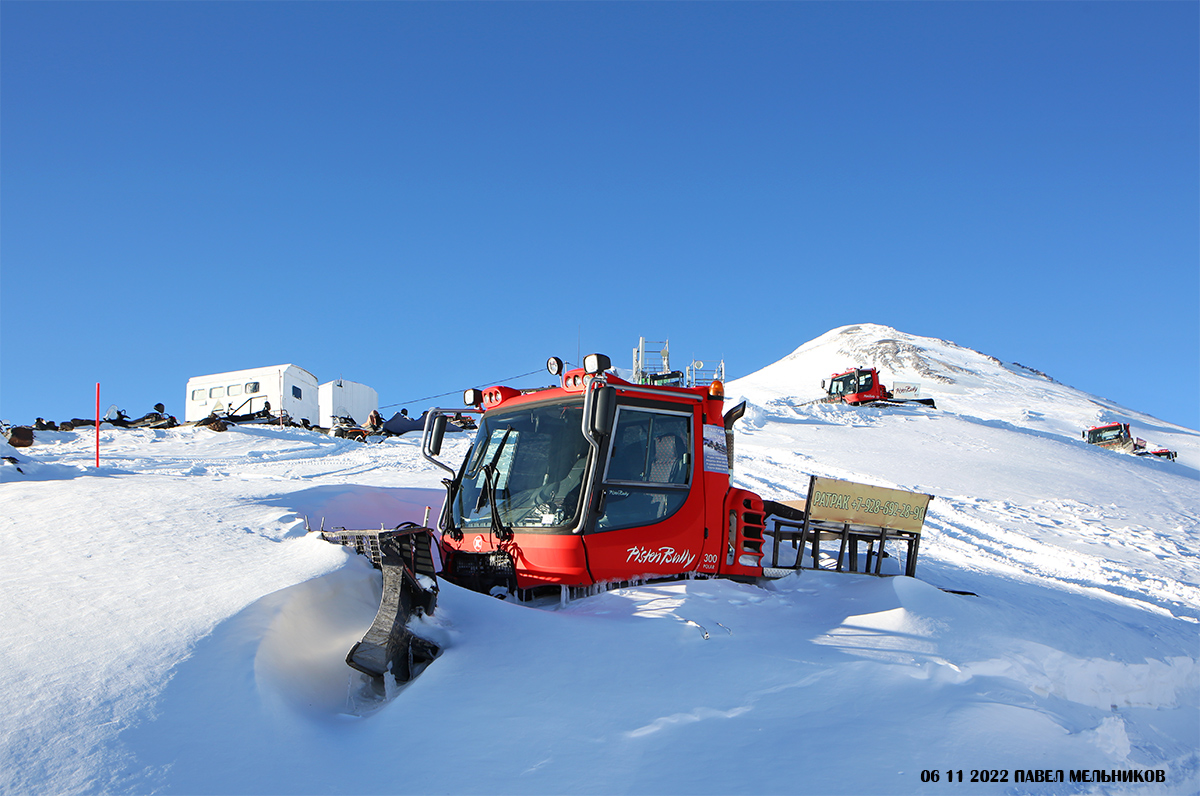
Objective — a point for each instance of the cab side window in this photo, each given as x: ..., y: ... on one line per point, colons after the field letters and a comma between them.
x: 650, y: 447
x: 649, y: 468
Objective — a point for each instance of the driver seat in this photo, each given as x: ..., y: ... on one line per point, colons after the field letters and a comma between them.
x: 668, y: 460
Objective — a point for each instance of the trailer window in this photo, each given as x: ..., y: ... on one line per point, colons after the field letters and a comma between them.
x: 198, y: 395
x: 216, y: 392
x: 251, y: 387
x: 296, y: 393
x: 235, y: 389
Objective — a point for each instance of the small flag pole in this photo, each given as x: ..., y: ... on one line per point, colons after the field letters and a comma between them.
x: 97, y: 424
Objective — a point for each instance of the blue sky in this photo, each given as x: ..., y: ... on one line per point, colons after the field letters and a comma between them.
x: 425, y: 197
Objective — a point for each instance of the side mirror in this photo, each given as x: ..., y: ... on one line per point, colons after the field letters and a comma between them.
x: 604, y: 412
x: 734, y: 415
x: 731, y: 417
x: 436, y: 432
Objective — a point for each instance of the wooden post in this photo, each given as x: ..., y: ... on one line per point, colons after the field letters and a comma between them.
x: 775, y: 547
x: 842, y: 549
x: 804, y: 530
x: 914, y: 547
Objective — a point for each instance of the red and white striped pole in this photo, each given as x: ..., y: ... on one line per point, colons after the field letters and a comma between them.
x: 97, y: 424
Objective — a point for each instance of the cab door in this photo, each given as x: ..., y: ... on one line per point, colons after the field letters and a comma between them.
x: 650, y: 516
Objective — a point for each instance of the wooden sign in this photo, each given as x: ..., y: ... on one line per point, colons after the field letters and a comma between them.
x: 832, y: 500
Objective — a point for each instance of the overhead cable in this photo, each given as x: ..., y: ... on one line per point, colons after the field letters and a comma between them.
x: 456, y: 392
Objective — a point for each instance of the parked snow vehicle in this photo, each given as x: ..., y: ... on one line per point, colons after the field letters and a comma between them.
x: 859, y: 386
x: 157, y: 418
x: 600, y: 482
x: 1116, y: 436
x: 346, y: 428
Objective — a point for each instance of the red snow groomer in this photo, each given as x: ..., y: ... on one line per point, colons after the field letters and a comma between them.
x: 859, y: 386
x: 592, y: 483
x: 1116, y: 436
x: 597, y: 481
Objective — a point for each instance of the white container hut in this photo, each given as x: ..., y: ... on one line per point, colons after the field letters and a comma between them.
x: 341, y: 398
x: 289, y: 388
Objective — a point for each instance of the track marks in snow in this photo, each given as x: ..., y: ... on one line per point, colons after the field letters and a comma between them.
x: 1078, y: 550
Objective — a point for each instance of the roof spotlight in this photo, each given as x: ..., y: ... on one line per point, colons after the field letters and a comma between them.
x: 596, y: 363
x: 472, y: 397
x: 554, y: 365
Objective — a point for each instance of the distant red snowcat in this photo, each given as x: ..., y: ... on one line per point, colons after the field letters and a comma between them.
x: 859, y: 386
x: 1116, y: 436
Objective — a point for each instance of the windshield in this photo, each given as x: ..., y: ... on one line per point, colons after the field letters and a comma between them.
x: 858, y: 381
x: 1107, y: 434
x: 540, y: 456
x: 843, y: 385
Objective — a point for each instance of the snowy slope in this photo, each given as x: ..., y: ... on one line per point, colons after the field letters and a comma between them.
x: 169, y: 626
x: 1002, y: 453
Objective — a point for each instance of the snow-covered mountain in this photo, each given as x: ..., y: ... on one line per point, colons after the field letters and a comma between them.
x: 961, y: 380
x: 169, y: 626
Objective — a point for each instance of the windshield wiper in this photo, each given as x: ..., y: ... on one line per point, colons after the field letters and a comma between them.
x: 489, y: 467
x: 502, y: 532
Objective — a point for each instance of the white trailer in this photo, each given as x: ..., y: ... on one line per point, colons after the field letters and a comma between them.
x: 286, y: 388
x: 341, y: 398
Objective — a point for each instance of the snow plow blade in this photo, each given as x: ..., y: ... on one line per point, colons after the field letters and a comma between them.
x: 410, y: 588
x: 881, y: 402
x: 907, y: 401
